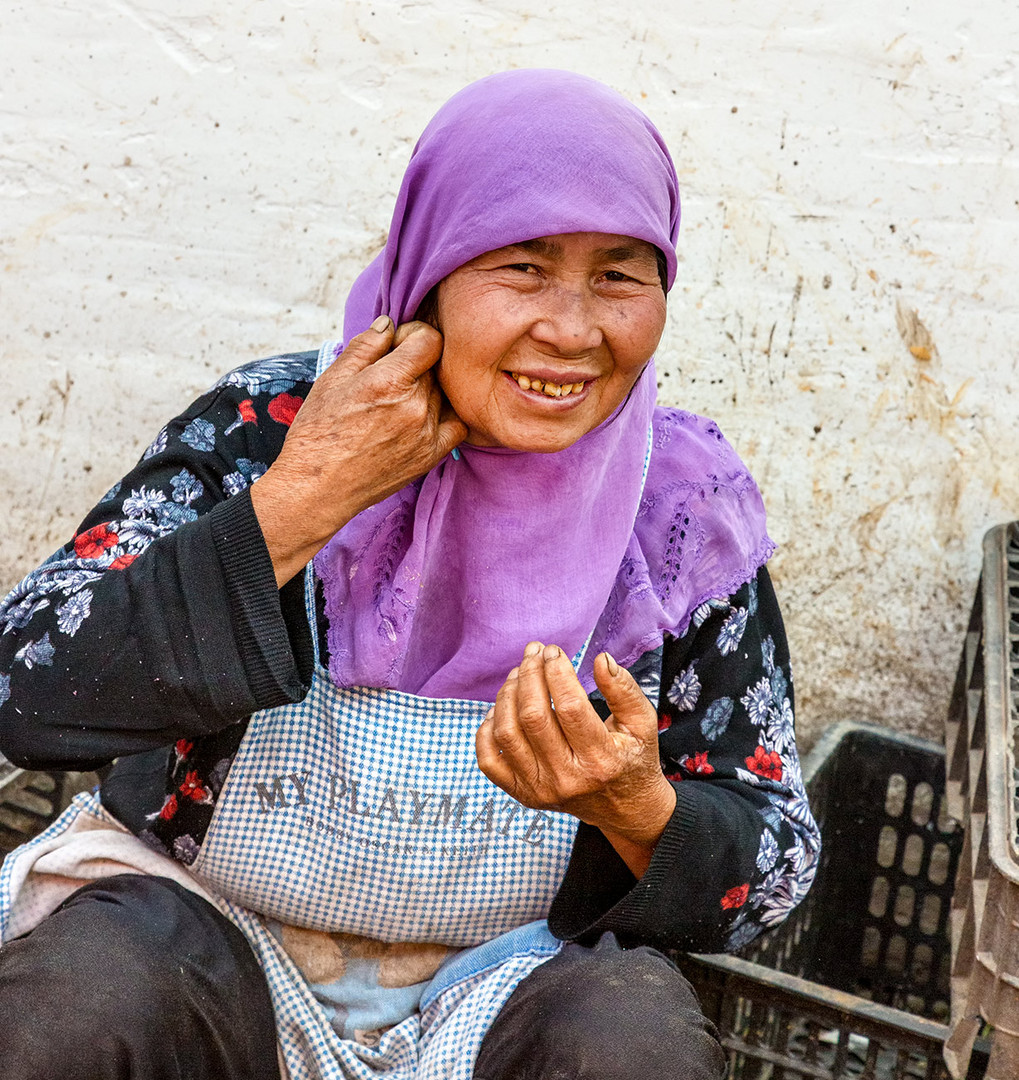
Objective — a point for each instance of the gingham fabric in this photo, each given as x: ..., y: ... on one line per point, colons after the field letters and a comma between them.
x: 364, y: 811
x: 439, y: 1043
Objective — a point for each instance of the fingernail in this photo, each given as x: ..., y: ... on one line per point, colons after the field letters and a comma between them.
x: 382, y: 324
x: 513, y: 674
x: 612, y: 665
x: 533, y: 648
x: 490, y: 714
x: 551, y: 652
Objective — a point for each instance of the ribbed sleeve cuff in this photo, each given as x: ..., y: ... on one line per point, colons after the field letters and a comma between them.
x: 600, y: 893
x: 275, y: 648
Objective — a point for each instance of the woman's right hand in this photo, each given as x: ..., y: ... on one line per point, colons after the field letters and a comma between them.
x: 372, y: 423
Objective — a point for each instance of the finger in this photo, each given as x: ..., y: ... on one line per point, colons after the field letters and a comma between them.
x: 629, y: 706
x: 450, y: 430
x: 404, y: 330
x: 502, y: 716
x: 446, y: 428
x: 416, y: 348
x: 507, y: 733
x: 491, y: 760
x: 535, y: 716
x: 582, y: 727
x: 364, y: 349
x: 511, y: 746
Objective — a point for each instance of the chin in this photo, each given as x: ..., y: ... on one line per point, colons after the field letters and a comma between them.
x: 530, y: 442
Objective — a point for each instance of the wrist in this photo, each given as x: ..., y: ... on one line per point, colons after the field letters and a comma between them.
x: 636, y: 837
x: 647, y: 815
x: 292, y: 525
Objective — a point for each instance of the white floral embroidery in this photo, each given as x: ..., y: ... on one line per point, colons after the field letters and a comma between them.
x: 731, y: 633
x: 145, y: 501
x: 157, y: 446
x: 74, y: 611
x: 685, y: 690
x: 767, y: 852
x: 757, y: 701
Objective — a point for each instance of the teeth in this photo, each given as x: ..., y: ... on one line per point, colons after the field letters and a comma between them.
x: 549, y: 389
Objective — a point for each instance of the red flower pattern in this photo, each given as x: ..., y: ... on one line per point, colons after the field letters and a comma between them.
x: 92, y: 543
x: 283, y: 408
x: 192, y: 787
x: 183, y: 747
x: 766, y: 763
x: 736, y: 896
x: 122, y: 561
x: 698, y: 764
x: 247, y: 412
x: 169, y: 808
x: 664, y: 722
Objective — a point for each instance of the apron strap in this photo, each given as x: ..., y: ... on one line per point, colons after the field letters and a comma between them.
x: 309, y: 607
x: 327, y: 353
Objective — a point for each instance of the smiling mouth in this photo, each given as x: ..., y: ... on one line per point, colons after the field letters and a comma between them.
x: 549, y: 389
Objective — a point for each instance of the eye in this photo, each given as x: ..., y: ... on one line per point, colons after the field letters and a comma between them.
x: 617, y: 275
x: 524, y: 268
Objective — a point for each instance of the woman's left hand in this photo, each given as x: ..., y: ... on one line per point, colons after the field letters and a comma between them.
x: 545, y: 745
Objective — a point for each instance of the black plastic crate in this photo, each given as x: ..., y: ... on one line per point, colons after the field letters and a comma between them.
x: 855, y: 983
x: 30, y: 801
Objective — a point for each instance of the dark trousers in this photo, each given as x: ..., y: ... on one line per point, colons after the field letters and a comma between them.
x: 135, y: 978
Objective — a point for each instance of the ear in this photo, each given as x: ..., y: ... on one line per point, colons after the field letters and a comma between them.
x: 428, y: 309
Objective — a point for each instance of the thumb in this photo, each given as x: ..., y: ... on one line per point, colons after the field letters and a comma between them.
x: 372, y: 344
x: 628, y: 703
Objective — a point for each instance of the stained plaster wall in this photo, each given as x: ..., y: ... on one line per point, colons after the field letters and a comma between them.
x: 186, y: 185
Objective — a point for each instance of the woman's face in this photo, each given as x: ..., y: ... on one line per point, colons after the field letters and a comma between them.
x: 543, y: 339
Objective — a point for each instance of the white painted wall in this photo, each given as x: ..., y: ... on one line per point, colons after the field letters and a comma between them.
x: 185, y: 185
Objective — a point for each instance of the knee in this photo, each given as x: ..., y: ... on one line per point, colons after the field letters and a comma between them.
x: 137, y: 942
x: 125, y: 966
x: 603, y: 1014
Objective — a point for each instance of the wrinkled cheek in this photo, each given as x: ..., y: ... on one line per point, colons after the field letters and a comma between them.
x: 479, y: 408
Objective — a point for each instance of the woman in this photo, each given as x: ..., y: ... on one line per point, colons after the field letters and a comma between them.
x: 380, y: 777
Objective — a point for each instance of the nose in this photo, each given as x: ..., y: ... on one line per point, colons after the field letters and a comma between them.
x: 567, y: 319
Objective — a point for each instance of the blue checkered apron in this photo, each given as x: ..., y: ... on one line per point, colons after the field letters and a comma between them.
x: 364, y: 811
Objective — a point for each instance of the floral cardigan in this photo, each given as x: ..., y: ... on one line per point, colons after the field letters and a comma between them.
x: 150, y: 638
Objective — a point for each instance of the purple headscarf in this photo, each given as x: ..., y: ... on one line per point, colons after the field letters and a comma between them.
x: 437, y: 589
